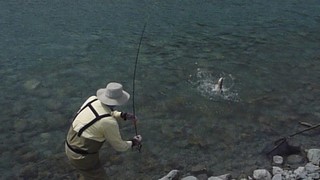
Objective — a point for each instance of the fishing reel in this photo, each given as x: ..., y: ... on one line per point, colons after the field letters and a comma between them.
x: 136, y: 143
x: 137, y: 147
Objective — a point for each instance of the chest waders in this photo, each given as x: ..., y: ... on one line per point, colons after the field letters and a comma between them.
x: 79, y: 144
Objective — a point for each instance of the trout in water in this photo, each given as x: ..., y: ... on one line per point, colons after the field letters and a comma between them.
x: 219, y: 86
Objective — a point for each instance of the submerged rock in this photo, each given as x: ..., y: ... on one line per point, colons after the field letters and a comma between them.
x: 198, y: 169
x: 31, y: 84
x: 295, y: 159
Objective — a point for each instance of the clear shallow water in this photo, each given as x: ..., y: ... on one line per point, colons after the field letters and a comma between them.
x: 56, y: 54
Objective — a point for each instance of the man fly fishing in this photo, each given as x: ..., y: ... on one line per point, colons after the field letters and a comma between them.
x: 95, y: 123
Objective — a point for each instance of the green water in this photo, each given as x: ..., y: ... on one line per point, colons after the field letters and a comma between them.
x: 55, y: 54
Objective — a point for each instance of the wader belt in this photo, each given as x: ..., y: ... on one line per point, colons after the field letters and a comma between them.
x: 78, y: 151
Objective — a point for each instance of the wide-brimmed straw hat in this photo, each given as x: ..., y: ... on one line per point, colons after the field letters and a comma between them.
x: 113, y: 95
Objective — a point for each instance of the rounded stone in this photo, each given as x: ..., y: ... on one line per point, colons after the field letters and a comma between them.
x: 314, y: 156
x: 261, y: 174
x: 295, y: 159
x: 277, y: 160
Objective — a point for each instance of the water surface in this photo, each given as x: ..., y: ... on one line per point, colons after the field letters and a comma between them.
x: 55, y: 54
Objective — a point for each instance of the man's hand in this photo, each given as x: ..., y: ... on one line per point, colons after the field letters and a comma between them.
x: 136, y: 140
x: 129, y: 116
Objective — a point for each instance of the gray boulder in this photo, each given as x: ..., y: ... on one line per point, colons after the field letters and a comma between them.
x: 261, y: 174
x: 172, y: 175
x: 314, y: 156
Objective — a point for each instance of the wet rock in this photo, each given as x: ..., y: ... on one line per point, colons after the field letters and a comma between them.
x: 295, y: 159
x: 172, y: 175
x: 261, y: 174
x: 222, y: 177
x: 314, y: 156
x: 189, y: 178
x: 276, y: 170
x: 301, y: 173
x: 213, y: 178
x: 314, y: 176
x: 277, y: 177
x: 311, y: 168
x: 31, y: 84
x: 288, y: 174
x: 277, y: 160
x: 202, y: 177
x: 199, y: 169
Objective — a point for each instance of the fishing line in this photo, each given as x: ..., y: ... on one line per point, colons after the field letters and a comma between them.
x: 133, y: 83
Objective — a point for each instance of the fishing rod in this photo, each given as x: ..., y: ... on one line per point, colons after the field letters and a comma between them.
x: 133, y: 84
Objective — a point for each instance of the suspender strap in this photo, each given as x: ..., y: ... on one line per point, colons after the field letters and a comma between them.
x: 97, y: 118
x: 92, y: 122
x: 89, y: 103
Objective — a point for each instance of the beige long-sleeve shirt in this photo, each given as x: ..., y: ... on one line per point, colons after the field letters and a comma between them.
x: 105, y: 129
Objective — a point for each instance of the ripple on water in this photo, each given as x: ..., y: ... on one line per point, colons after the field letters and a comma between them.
x: 206, y: 84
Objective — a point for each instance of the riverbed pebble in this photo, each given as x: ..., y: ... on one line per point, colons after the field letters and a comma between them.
x: 261, y: 174
x: 277, y: 160
x: 295, y: 159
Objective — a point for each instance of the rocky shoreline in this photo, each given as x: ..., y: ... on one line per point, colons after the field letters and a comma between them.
x: 295, y: 166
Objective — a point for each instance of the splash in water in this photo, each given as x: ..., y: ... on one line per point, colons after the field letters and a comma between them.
x: 215, y: 87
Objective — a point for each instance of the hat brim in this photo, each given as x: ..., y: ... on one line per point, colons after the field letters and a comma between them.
x: 112, y: 102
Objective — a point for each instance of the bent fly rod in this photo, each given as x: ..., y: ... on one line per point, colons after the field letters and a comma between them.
x: 133, y: 84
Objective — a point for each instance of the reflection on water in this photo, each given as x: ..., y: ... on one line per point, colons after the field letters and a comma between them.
x: 56, y: 54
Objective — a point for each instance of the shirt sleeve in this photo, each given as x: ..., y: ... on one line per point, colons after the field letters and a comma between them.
x: 112, y: 135
x: 116, y: 115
